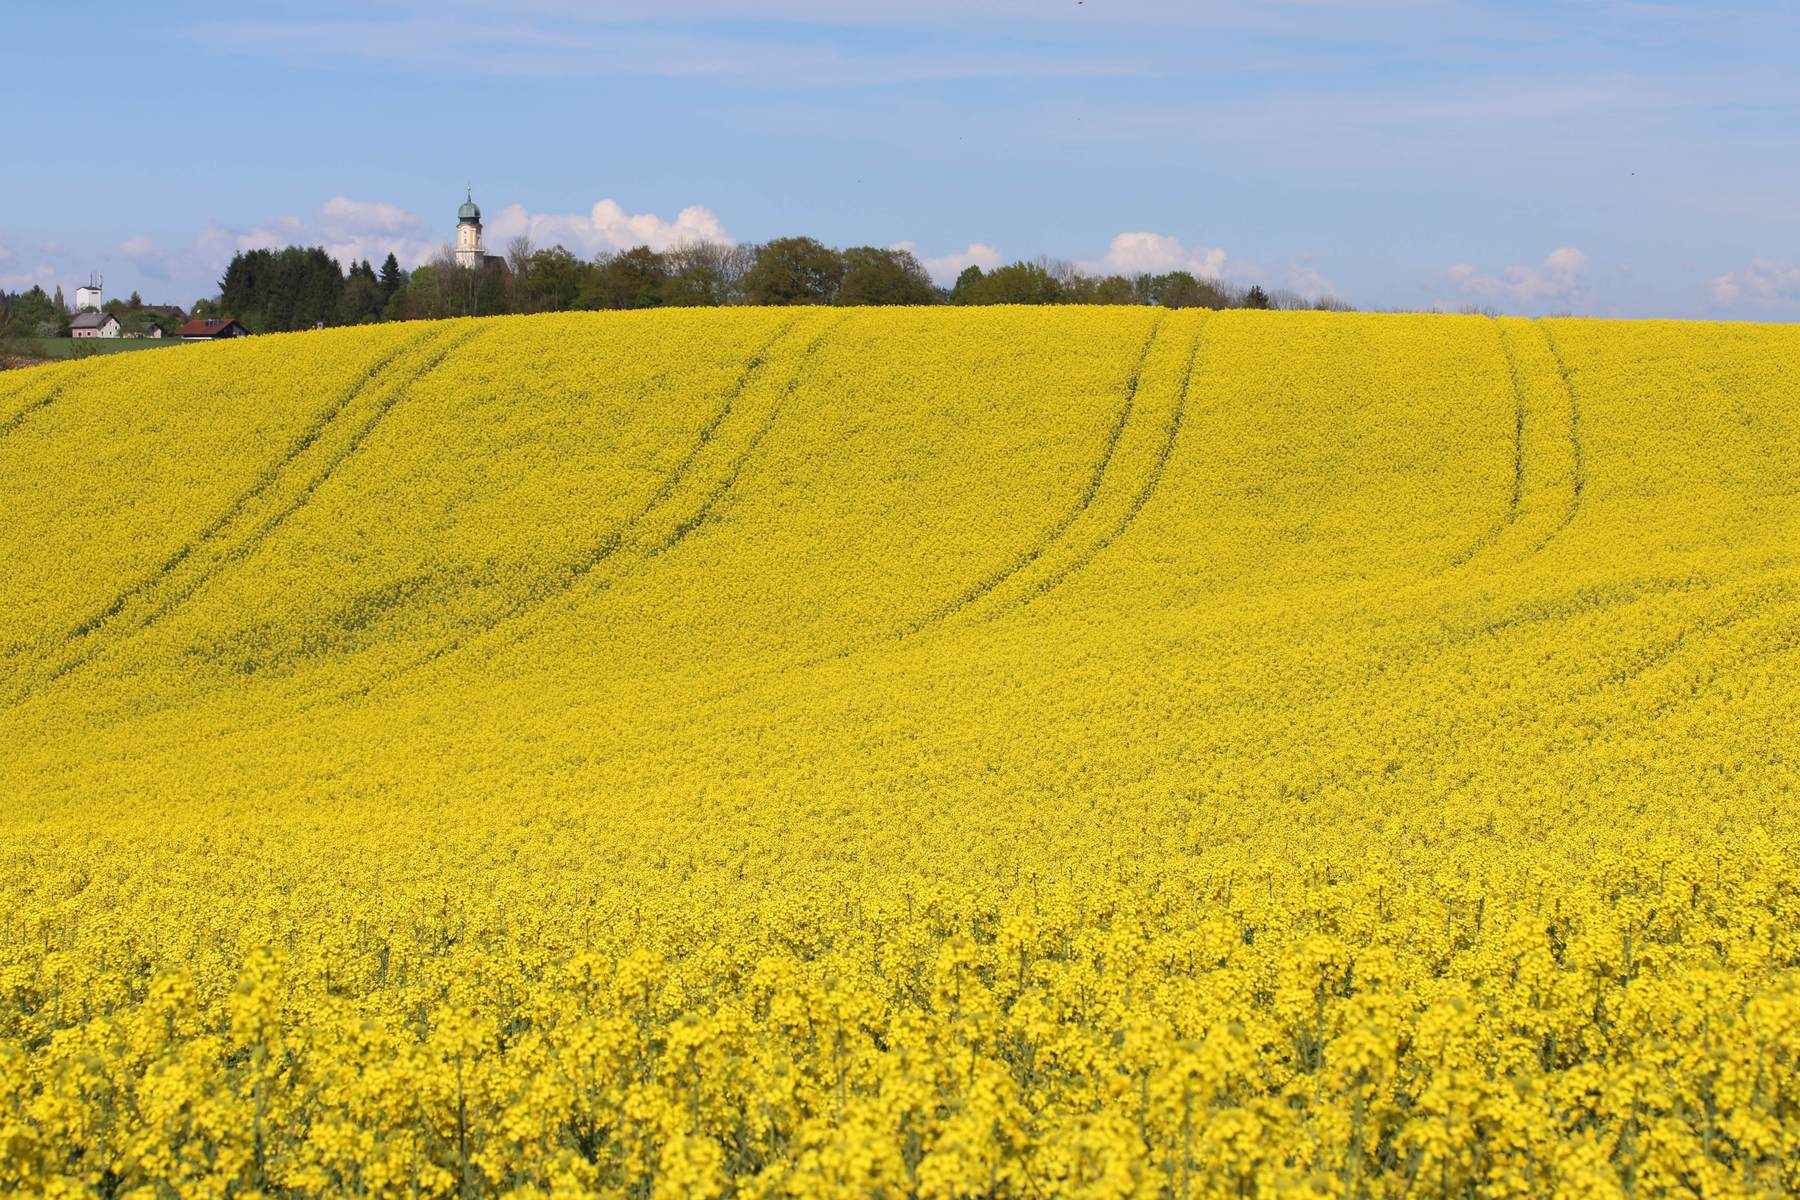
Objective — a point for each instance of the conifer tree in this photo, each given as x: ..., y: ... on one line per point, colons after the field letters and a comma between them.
x: 391, y: 278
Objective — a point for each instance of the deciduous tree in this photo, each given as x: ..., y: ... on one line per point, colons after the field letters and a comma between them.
x: 794, y: 270
x: 877, y: 276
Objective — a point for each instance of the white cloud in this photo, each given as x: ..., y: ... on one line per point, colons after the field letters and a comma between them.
x: 348, y: 230
x: 215, y: 244
x: 1309, y: 282
x: 341, y: 215
x: 1561, y: 276
x: 607, y: 226
x: 1765, y: 282
x: 407, y: 251
x: 1155, y: 254
x: 945, y: 268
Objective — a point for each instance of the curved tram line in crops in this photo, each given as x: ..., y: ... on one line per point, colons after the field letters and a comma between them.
x: 220, y: 530
x: 1782, y: 642
x: 969, y: 596
x: 1584, y: 602
x: 50, y: 396
x: 1115, y: 434
x: 1769, y: 593
x: 400, y: 390
x: 613, y: 541
x: 1579, y: 481
x: 1774, y: 602
x: 264, y: 481
x: 1153, y: 480
x: 626, y: 533
x: 1511, y: 516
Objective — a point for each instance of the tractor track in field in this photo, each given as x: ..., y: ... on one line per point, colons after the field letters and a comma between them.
x: 913, y: 629
x: 681, y: 471
x: 1575, y: 434
x: 1783, y: 643
x: 1760, y: 600
x: 32, y: 407
x: 1777, y: 602
x: 262, y: 484
x: 1587, y: 602
x: 402, y: 388
x: 85, y: 651
x: 1158, y: 469
x: 1024, y: 559
x: 698, y: 517
x: 619, y: 538
x: 1511, y: 516
x: 610, y: 544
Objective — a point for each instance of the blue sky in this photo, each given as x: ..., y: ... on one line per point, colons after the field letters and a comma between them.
x: 1613, y: 157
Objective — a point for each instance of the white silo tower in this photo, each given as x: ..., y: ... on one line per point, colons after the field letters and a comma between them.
x: 92, y: 294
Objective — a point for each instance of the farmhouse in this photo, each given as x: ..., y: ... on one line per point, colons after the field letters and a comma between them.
x: 210, y: 329
x: 94, y: 325
x: 153, y: 320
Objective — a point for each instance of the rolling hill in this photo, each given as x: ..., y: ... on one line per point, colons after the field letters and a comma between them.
x: 939, y: 752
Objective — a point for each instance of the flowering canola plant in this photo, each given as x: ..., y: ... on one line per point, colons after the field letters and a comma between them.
x: 906, y: 753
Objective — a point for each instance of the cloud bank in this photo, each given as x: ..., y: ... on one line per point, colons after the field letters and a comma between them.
x: 1562, y: 276
x: 946, y: 267
x: 1767, y: 283
x: 1156, y: 254
x: 606, y: 226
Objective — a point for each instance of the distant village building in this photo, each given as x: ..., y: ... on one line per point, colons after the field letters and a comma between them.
x: 94, y: 325
x: 210, y: 329
x: 91, y: 294
x: 157, y: 320
x: 469, y: 249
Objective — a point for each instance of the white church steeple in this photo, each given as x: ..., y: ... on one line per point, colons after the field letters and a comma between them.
x: 469, y: 250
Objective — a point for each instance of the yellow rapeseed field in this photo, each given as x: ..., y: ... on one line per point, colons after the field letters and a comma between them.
x: 905, y: 753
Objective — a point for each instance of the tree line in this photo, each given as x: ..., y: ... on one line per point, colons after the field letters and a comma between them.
x: 33, y: 313
x: 299, y: 288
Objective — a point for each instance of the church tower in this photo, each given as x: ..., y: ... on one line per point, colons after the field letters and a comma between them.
x: 469, y: 250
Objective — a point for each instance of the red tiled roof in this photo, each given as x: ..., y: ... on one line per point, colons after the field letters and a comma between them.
x: 204, y: 326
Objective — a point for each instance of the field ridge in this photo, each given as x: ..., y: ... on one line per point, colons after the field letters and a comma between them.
x: 942, y: 752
